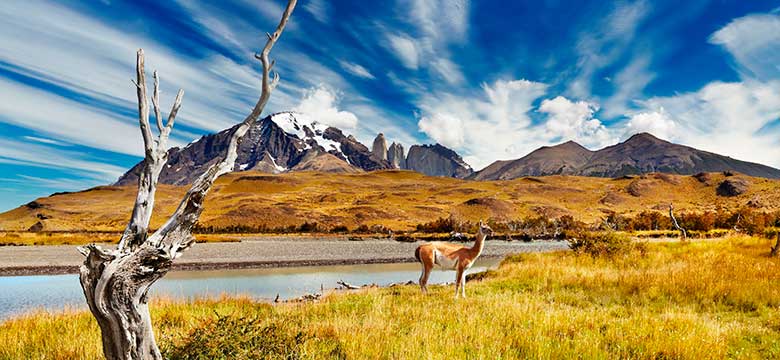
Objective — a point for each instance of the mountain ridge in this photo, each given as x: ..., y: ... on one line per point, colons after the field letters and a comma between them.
x: 639, y: 154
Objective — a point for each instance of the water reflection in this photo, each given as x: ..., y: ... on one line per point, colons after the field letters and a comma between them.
x: 19, y: 294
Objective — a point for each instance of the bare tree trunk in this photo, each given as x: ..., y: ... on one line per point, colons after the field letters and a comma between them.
x: 116, y: 282
x: 683, y: 233
x: 775, y: 249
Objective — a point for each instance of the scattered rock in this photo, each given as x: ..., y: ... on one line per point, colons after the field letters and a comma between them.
x: 625, y: 177
x: 639, y: 187
x: 612, y: 198
x: 755, y: 203
x: 36, y: 227
x: 733, y: 187
x: 704, y: 178
x: 533, y: 179
x: 667, y: 178
x: 32, y: 205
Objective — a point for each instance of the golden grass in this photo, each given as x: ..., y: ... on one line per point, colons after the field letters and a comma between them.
x: 708, y: 299
x: 395, y: 199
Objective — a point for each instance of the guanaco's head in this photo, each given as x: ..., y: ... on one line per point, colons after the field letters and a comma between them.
x: 485, y: 229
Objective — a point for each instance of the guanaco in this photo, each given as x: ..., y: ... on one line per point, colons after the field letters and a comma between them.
x: 451, y: 257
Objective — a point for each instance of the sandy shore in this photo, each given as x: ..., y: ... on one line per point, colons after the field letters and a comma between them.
x: 254, y: 253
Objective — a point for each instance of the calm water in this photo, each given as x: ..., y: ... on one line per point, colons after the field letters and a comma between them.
x: 19, y: 294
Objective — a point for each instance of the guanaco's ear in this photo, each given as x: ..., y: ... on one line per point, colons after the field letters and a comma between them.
x: 480, y: 222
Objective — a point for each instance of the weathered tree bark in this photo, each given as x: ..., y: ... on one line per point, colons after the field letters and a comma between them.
x: 116, y: 282
x: 677, y: 226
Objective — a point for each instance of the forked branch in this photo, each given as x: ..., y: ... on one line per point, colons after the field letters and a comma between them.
x: 155, y: 156
x: 116, y: 282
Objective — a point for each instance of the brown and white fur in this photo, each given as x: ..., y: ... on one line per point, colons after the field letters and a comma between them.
x: 451, y: 257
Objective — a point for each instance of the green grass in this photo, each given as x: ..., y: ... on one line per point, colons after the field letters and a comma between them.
x: 708, y: 299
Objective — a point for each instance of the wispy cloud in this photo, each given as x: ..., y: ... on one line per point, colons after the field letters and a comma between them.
x: 356, y: 69
x: 753, y: 41
x: 600, y: 45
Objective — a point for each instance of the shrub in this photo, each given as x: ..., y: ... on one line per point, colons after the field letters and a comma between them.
x: 339, y: 229
x: 604, y: 244
x: 237, y: 337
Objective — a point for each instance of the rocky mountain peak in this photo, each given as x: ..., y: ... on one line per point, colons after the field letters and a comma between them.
x: 379, y: 148
x: 437, y: 160
x: 396, y: 157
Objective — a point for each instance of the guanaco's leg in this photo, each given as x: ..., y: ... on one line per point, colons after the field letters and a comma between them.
x: 426, y: 272
x: 427, y: 260
x: 458, y: 281
x: 463, y: 283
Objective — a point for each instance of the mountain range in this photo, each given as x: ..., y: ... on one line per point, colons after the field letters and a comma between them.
x: 642, y: 153
x: 289, y: 142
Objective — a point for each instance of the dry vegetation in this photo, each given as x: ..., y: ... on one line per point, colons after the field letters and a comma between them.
x: 708, y: 299
x: 398, y: 200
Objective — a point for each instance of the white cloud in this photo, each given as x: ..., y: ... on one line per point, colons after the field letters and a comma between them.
x: 657, y: 123
x: 356, y: 69
x: 31, y: 154
x: 405, y: 49
x: 319, y: 9
x: 445, y: 128
x: 46, y: 141
x: 629, y: 83
x: 485, y: 126
x: 448, y: 70
x: 321, y: 104
x: 569, y: 120
x: 441, y: 20
x: 61, y: 118
x: 725, y: 118
x: 603, y: 44
x: 754, y: 41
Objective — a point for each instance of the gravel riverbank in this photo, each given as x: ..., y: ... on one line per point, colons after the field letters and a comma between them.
x: 255, y: 253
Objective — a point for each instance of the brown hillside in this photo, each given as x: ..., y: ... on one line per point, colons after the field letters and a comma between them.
x: 396, y: 199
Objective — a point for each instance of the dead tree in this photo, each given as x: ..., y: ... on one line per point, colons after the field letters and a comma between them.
x: 677, y: 226
x: 775, y: 249
x: 116, y: 281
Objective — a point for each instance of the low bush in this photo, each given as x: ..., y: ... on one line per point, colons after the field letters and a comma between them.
x: 604, y: 244
x: 234, y: 336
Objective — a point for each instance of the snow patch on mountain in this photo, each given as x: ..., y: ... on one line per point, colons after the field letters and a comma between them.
x: 305, y: 128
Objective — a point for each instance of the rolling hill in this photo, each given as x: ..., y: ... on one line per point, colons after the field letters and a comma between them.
x: 397, y: 199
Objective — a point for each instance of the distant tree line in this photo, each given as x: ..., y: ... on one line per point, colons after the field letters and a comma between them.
x: 700, y: 224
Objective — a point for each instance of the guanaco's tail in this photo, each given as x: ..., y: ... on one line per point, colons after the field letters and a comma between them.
x: 417, y: 254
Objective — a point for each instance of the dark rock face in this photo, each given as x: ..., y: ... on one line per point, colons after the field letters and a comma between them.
x: 379, y: 149
x: 265, y: 144
x: 276, y: 143
x: 437, y: 160
x: 396, y: 157
x: 640, y: 154
x: 356, y: 153
x: 733, y: 187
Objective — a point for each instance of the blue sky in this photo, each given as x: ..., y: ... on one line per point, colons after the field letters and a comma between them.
x: 492, y: 80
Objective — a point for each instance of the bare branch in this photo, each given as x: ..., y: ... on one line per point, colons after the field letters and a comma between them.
x: 176, y: 232
x: 175, y: 109
x: 676, y: 224
x: 156, y: 102
x: 143, y: 105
